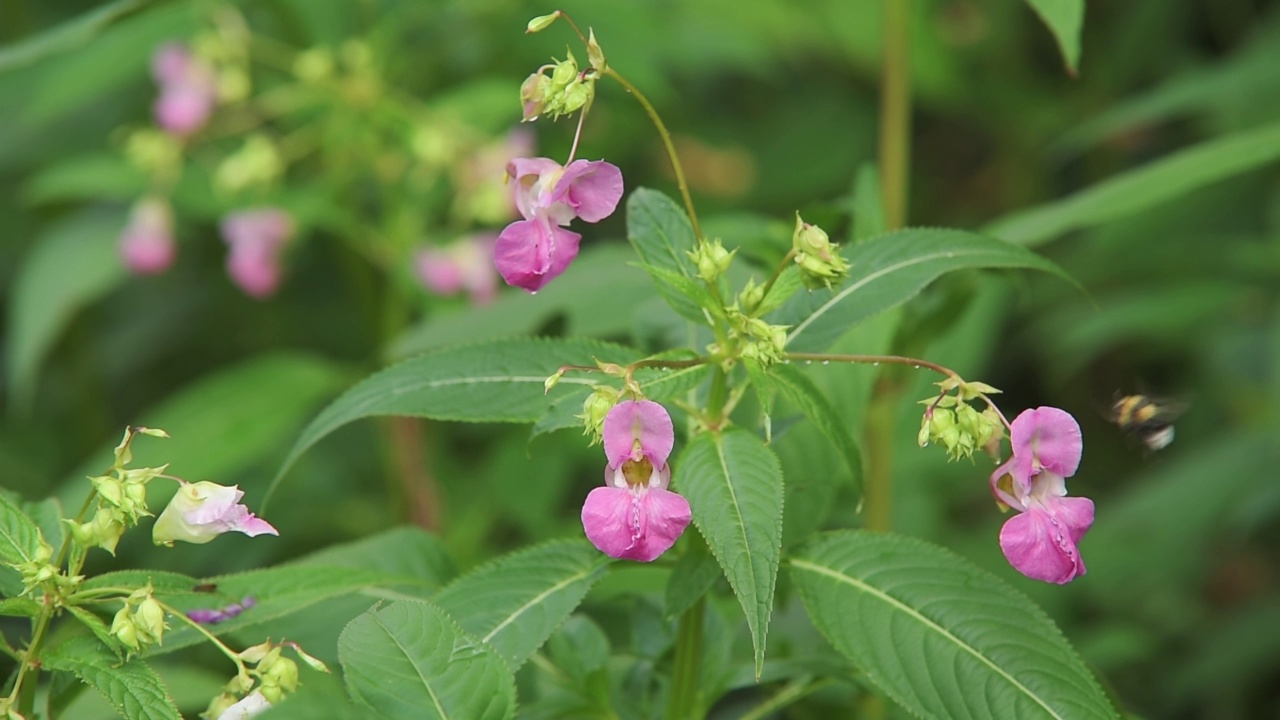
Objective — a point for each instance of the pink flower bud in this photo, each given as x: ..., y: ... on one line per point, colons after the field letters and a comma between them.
x: 256, y: 239
x: 146, y: 244
x: 188, y: 89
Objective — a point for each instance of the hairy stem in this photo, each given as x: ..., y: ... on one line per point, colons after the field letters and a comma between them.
x: 682, y: 703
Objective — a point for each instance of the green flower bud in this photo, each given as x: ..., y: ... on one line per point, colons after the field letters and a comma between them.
x: 111, y: 489
x: 283, y: 673
x: 594, y: 409
x: 711, y: 259
x: 124, y: 456
x: 533, y: 95
x: 565, y: 72
x: 255, y: 654
x: 312, y: 662
x: 149, y: 619
x: 819, y: 259
x: 595, y: 55
x: 219, y: 705
x: 552, y: 381
x: 575, y: 97
x: 124, y: 630
x: 926, y: 431
x: 313, y: 65
x: 108, y: 526
x: 542, y: 22
x: 751, y: 296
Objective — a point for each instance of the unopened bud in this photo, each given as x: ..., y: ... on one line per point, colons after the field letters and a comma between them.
x: 533, y: 96
x: 751, y: 296
x: 108, y: 526
x: 819, y: 259
x: 594, y: 409
x: 109, y: 488
x: 711, y: 259
x: 595, y: 55
x: 149, y: 619
x: 552, y: 381
x: 312, y: 662
x: 123, y: 629
x: 256, y: 653
x: 542, y: 22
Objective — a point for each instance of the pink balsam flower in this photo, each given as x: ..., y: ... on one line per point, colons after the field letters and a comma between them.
x: 634, y: 516
x: 146, y: 244
x: 200, y: 512
x: 462, y: 265
x: 532, y: 252
x: 1041, y: 540
x: 188, y: 89
x: 256, y: 238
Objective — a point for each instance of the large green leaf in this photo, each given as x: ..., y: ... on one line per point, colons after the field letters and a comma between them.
x: 76, y: 31
x: 410, y: 661
x: 1065, y: 18
x: 19, y: 535
x: 132, y: 688
x: 105, y: 176
x: 660, y: 232
x: 941, y: 637
x: 889, y: 270
x: 1142, y: 188
x: 70, y: 266
x: 495, y: 381
x: 804, y: 394
x: 734, y: 486
x: 516, y: 602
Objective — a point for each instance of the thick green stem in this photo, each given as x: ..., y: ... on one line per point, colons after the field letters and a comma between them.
x: 666, y: 141
x: 717, y: 396
x: 682, y: 703
x: 895, y: 112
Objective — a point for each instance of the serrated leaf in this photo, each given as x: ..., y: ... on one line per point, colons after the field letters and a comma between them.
x: 687, y: 296
x: 1065, y: 18
x: 96, y: 626
x: 495, y: 381
x: 20, y: 607
x: 416, y: 556
x: 1141, y: 188
x: 891, y: 269
x: 763, y: 385
x: 693, y: 576
x: 734, y: 486
x: 940, y: 636
x: 132, y: 688
x: 410, y: 661
x: 660, y: 231
x: 804, y: 394
x: 19, y: 536
x: 515, y: 602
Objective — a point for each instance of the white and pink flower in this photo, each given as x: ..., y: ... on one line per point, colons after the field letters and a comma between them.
x: 200, y: 512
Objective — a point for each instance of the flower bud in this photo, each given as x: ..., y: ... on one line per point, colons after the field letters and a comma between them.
x: 542, y: 22
x: 533, y: 96
x: 594, y: 410
x: 256, y: 653
x: 283, y: 673
x: 711, y: 259
x: 819, y: 259
x: 111, y: 489
x: 552, y: 381
x: 312, y: 662
x: 595, y: 55
x: 124, y: 630
x: 751, y: 296
x: 149, y: 620
x: 108, y: 526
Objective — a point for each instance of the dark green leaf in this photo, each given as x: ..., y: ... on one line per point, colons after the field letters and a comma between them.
x: 19, y: 536
x: 804, y: 394
x: 1064, y: 18
x: 687, y: 296
x: 76, y: 31
x: 133, y: 689
x: 659, y: 230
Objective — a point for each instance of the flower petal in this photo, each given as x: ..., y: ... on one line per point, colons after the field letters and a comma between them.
x: 526, y: 172
x: 610, y: 518
x: 642, y: 420
x: 666, y: 515
x: 1041, y: 542
x: 1047, y: 438
x: 531, y: 253
x: 591, y: 188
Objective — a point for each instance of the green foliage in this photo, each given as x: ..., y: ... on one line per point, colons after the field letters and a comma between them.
x: 132, y: 688
x: 19, y: 536
x: 660, y: 232
x: 1065, y: 19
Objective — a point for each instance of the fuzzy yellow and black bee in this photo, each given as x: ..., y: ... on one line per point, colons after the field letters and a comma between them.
x: 1149, y: 419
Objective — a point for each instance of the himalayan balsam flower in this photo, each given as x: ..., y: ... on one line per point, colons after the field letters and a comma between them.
x: 463, y: 265
x: 257, y: 238
x: 1041, y: 540
x: 146, y: 244
x: 252, y: 705
x: 531, y: 252
x: 188, y: 89
x: 634, y: 516
x: 202, y: 511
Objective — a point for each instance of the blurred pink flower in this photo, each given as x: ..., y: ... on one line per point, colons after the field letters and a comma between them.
x: 200, y: 512
x: 188, y: 89
x: 1041, y: 540
x: 635, y: 516
x: 530, y: 253
x: 462, y: 265
x: 146, y: 243
x: 256, y: 238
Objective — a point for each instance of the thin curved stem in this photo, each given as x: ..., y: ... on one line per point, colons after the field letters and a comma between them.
x: 873, y: 360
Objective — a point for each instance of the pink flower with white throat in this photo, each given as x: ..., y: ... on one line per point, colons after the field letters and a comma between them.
x: 634, y: 516
x: 188, y: 89
x: 256, y: 238
x: 532, y: 252
x: 146, y: 244
x: 1041, y: 540
x: 200, y: 512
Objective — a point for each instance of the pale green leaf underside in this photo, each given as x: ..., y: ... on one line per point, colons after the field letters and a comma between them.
x: 889, y: 270
x: 133, y: 689
x: 19, y: 536
x: 1142, y: 188
x: 940, y: 636
x: 734, y: 486
x: 1065, y: 18
x: 410, y: 661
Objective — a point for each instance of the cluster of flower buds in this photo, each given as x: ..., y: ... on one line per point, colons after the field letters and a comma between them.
x: 755, y: 339
x: 711, y: 259
x: 953, y: 423
x: 595, y: 409
x: 140, y: 623
x: 254, y: 690
x: 39, y: 572
x: 122, y: 497
x: 256, y: 163
x: 819, y: 259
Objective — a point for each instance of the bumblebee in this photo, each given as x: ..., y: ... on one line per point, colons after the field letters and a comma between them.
x: 1148, y: 419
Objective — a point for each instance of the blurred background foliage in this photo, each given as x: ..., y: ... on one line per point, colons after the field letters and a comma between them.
x: 774, y: 106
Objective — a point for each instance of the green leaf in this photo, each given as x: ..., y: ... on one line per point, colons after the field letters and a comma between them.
x: 1065, y: 19
x: 658, y: 384
x: 76, y: 31
x: 515, y: 602
x: 1142, y: 188
x: 941, y: 637
x: 868, y: 205
x: 693, y: 576
x: 132, y: 688
x: 689, y: 297
x: 891, y: 269
x: 410, y: 552
x: 410, y: 661
x: 804, y: 394
x: 19, y: 536
x: 71, y: 265
x: 20, y: 607
x: 734, y: 487
x: 86, y: 177
x: 660, y: 232
x: 98, y: 627
x: 495, y: 381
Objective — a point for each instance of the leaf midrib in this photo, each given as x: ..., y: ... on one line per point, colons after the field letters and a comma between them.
x: 536, y: 599
x: 435, y: 700
x: 742, y: 525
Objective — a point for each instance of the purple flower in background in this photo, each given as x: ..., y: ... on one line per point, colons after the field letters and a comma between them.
x: 462, y: 265
x: 531, y: 252
x: 213, y: 616
x: 188, y: 89
x: 202, y: 511
x: 146, y: 244
x: 634, y: 516
x: 1041, y: 540
x: 256, y: 238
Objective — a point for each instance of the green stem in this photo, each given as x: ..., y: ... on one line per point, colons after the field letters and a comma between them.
x: 33, y: 650
x: 716, y: 397
x: 682, y: 703
x: 782, y: 266
x: 666, y: 141
x: 873, y: 360
x: 895, y: 112
x: 233, y: 655
x: 789, y: 694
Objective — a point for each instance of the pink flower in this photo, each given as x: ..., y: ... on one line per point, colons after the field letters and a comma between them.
x: 146, y: 244
x: 256, y: 238
x: 531, y: 252
x: 634, y: 516
x: 188, y: 89
x: 200, y: 512
x: 463, y: 265
x: 1041, y: 540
